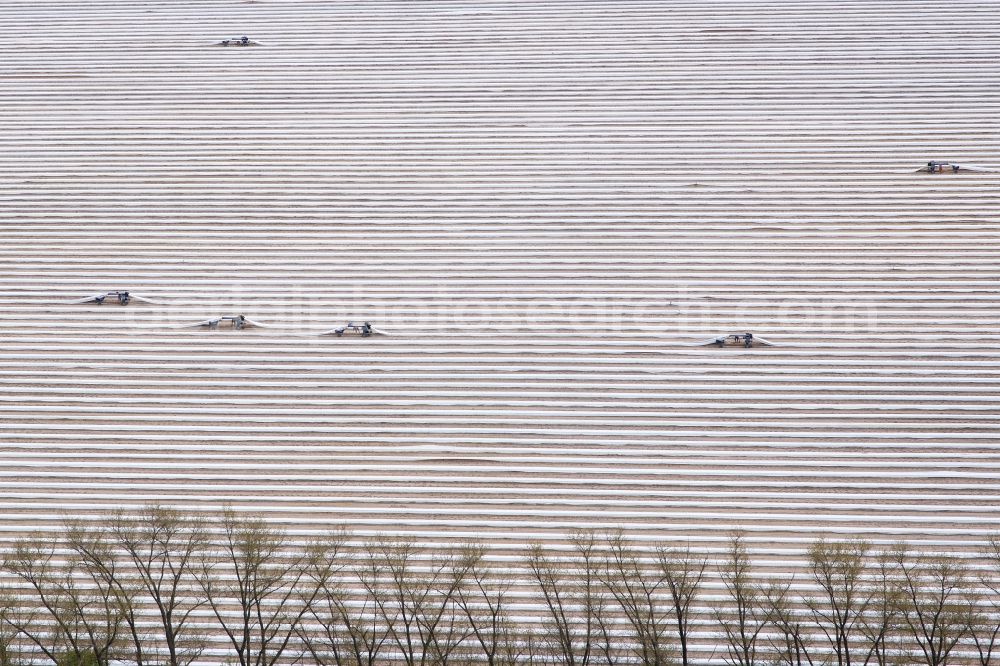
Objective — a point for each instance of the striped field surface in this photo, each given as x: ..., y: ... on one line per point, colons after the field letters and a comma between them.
x: 547, y: 205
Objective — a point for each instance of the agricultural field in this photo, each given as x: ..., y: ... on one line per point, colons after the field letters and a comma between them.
x: 548, y: 208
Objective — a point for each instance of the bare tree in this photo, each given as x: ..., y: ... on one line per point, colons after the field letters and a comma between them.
x: 482, y: 598
x: 267, y: 582
x: 529, y: 650
x: 9, y: 652
x: 792, y: 644
x: 128, y: 590
x: 880, y: 626
x: 344, y: 630
x: 936, y: 609
x: 595, y: 596
x: 839, y: 569
x: 985, y: 629
x: 576, y: 630
x: 744, y: 615
x: 63, y: 619
x: 639, y: 590
x: 684, y: 574
x: 93, y: 545
x: 415, y: 597
x: 165, y: 548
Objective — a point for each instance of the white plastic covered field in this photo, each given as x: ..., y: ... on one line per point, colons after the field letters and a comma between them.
x: 547, y: 205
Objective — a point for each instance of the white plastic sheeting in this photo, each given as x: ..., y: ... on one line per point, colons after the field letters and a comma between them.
x: 546, y: 203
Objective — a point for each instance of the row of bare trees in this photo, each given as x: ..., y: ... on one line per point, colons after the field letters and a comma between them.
x: 157, y: 587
